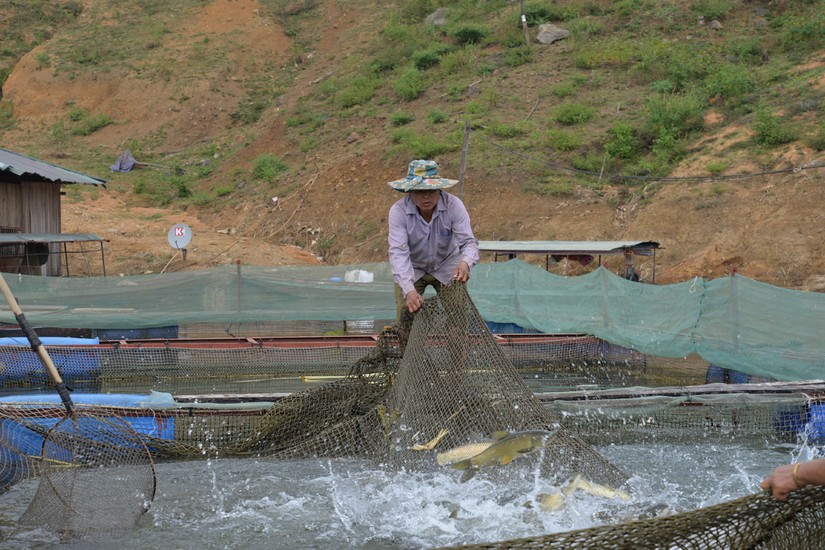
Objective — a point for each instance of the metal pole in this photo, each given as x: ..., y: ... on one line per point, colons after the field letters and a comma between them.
x: 65, y: 256
x: 524, y: 23
x: 463, y: 168
x: 103, y: 258
x: 238, y: 262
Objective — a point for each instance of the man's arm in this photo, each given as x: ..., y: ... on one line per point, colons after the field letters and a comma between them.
x: 399, y: 250
x: 467, y: 243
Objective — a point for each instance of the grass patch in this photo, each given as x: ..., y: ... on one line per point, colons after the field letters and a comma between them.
x: 574, y: 113
x: 267, y: 167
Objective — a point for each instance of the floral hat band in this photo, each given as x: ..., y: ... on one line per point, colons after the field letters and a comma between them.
x: 422, y: 175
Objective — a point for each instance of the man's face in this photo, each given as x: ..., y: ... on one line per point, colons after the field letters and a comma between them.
x: 426, y: 200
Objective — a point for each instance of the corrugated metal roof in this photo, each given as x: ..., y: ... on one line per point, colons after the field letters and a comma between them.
x: 567, y: 247
x: 22, y: 238
x: 22, y: 165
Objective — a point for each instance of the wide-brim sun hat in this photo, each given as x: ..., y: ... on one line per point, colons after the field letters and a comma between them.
x: 422, y: 175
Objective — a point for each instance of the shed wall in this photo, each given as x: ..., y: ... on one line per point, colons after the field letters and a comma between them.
x: 33, y: 207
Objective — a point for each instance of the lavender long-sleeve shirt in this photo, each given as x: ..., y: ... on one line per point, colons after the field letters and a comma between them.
x: 418, y: 247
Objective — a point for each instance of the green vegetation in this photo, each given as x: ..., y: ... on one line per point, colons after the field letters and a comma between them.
x: 628, y: 93
x: 28, y: 24
x: 267, y: 167
x: 770, y: 130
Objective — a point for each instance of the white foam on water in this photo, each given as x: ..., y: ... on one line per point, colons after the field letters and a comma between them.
x: 349, y: 503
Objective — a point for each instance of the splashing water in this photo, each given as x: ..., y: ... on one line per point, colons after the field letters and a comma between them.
x: 349, y: 503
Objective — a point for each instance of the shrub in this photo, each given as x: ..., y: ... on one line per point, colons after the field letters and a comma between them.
x: 770, y: 130
x: 410, y: 84
x: 570, y: 114
x: 675, y: 115
x: 817, y: 141
x: 6, y: 114
x: 591, y: 162
x: 249, y: 110
x: 717, y: 168
x: 536, y: 14
x: 803, y: 33
x: 468, y: 34
x: 622, y: 142
x: 309, y: 143
x: 463, y: 60
x: 428, y: 146
x: 266, y: 167
x: 749, y: 50
x: 505, y: 130
x: 564, y: 89
x: 357, y: 92
x: 518, y: 56
x: 424, y: 59
x: 425, y: 145
x: 609, y: 53
x: 562, y: 140
x: 437, y: 116
x: 86, y: 124
x: 676, y: 63
x: 712, y: 9
x: 729, y: 82
x: 400, y: 119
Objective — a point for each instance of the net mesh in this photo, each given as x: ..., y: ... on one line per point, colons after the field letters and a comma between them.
x: 437, y: 385
x: 95, y: 472
x: 278, y: 364
x: 95, y: 475
x: 734, y: 322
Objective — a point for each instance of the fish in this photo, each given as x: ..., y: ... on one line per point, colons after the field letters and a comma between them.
x: 463, y: 452
x: 551, y: 502
x: 555, y: 501
x: 503, y: 450
x: 430, y: 445
x: 595, y: 489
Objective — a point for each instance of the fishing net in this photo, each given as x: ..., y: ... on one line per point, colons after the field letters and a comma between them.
x: 95, y: 472
x: 441, y: 383
x: 435, y: 385
x: 753, y: 522
x: 95, y: 475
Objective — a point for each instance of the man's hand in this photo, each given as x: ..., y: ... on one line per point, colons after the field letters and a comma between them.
x: 781, y: 482
x: 414, y: 301
x: 462, y: 272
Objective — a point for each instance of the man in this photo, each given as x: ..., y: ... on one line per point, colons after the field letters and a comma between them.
x: 430, y: 239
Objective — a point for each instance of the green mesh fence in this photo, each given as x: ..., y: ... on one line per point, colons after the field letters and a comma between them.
x: 733, y: 322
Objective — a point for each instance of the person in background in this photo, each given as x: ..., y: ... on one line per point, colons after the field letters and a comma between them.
x: 630, y: 272
x: 788, y: 478
x: 431, y: 241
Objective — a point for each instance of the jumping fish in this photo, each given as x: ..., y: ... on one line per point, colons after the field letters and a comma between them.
x: 503, y: 450
x: 463, y: 452
x: 430, y: 445
x: 596, y: 489
x: 554, y: 501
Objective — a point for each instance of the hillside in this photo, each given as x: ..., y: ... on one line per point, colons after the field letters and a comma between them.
x: 229, y: 104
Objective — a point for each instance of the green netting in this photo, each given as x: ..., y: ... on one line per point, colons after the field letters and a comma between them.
x: 733, y: 322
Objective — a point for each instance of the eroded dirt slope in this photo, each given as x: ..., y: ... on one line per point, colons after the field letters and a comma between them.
x: 767, y: 228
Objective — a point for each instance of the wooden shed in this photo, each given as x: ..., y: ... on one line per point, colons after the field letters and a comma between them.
x: 30, y: 192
